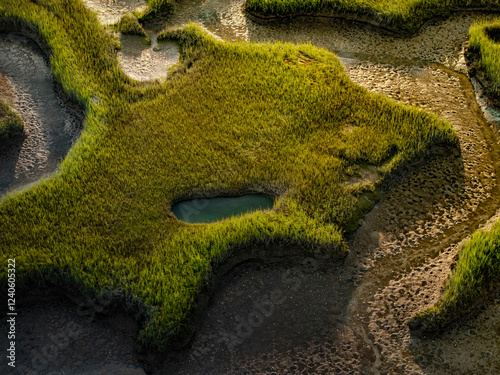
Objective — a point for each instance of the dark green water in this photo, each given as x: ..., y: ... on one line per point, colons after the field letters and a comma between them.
x: 214, y: 209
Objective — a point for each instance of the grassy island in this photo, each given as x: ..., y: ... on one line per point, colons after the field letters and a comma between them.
x: 277, y: 118
x: 10, y: 123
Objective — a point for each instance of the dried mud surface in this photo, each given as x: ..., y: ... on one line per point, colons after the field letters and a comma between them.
x: 146, y: 62
x: 49, y: 127
x: 307, y: 317
x: 57, y: 337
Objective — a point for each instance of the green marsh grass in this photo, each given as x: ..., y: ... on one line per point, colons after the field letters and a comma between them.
x: 155, y: 8
x: 406, y: 15
x: 130, y: 25
x: 477, y: 270
x: 234, y: 117
x: 10, y: 123
x: 481, y: 40
x: 478, y: 265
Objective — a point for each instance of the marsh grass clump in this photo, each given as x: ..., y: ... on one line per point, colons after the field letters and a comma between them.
x: 11, y: 124
x: 476, y: 272
x: 155, y: 8
x: 483, y: 39
x: 234, y: 117
x: 406, y: 15
x: 129, y: 24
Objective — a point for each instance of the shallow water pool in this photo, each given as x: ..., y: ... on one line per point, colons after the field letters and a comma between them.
x: 207, y: 210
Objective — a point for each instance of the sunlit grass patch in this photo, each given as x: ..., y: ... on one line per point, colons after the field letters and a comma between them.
x: 130, y: 25
x: 155, y: 8
x: 232, y: 118
x: 477, y: 270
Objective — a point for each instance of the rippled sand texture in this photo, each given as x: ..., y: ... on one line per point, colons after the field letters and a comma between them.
x: 50, y: 129
x: 143, y: 62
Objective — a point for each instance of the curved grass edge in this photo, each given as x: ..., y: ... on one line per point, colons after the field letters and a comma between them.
x: 408, y: 18
x: 484, y: 54
x: 155, y: 9
x: 109, y: 89
x: 476, y: 274
x: 129, y: 25
x: 63, y: 278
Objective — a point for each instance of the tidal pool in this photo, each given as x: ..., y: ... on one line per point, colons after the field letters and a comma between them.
x: 207, y: 210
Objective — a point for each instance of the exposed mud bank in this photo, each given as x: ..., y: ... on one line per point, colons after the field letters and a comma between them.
x: 59, y: 336
x: 367, y: 19
x: 51, y: 127
x: 109, y: 12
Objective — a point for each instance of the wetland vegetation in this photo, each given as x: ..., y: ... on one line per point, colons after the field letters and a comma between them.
x: 10, y: 122
x: 103, y: 224
x: 483, y: 40
x: 129, y: 24
x: 406, y: 15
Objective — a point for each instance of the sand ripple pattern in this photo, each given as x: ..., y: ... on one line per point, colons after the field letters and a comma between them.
x: 50, y: 128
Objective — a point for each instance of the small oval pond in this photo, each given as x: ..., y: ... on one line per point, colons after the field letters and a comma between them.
x: 207, y: 210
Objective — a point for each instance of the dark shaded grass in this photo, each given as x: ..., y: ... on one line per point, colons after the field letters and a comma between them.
x: 483, y: 40
x: 130, y: 25
x: 406, y: 15
x: 478, y: 266
x: 11, y: 124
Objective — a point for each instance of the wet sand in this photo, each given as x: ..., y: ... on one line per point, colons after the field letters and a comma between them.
x: 351, y: 318
x: 144, y: 62
x: 55, y: 336
x: 49, y: 127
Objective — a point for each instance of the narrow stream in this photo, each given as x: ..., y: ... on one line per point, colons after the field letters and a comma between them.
x: 310, y: 317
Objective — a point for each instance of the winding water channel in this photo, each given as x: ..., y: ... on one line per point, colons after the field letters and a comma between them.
x: 350, y: 318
